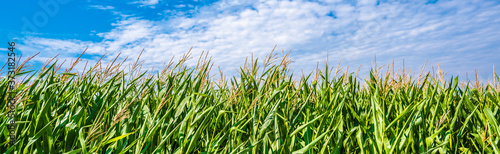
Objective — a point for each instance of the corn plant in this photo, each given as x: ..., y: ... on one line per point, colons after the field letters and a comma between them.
x: 262, y: 109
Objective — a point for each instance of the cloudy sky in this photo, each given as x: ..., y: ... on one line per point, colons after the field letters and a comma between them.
x: 460, y: 35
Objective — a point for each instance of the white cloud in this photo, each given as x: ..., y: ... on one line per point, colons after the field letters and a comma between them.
x: 3, y: 49
x: 460, y: 35
x: 69, y: 47
x: 149, y: 3
x: 100, y: 7
x: 180, y: 6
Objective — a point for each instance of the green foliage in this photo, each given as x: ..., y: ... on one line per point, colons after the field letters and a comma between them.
x: 182, y: 110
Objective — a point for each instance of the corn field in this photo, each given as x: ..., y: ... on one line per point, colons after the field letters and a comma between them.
x: 264, y: 108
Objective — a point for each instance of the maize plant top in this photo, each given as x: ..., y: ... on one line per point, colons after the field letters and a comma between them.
x: 264, y: 108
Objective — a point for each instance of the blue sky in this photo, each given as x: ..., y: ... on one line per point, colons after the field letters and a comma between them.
x: 459, y: 35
